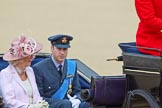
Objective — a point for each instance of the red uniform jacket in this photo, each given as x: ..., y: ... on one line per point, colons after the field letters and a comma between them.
x: 149, y: 33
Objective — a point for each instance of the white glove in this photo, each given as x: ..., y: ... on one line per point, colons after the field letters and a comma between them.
x: 39, y: 104
x: 43, y: 102
x: 35, y: 106
x: 75, y: 102
x: 70, y: 97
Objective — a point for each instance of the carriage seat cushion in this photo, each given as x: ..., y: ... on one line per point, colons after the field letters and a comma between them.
x: 129, y: 47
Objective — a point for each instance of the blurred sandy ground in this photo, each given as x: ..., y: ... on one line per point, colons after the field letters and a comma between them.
x: 97, y: 26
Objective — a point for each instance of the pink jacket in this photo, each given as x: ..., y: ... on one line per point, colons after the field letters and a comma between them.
x: 13, y: 90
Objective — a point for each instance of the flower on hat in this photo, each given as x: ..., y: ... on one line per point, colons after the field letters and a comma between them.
x: 23, y: 46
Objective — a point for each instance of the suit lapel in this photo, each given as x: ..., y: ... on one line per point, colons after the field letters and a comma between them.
x: 31, y: 80
x: 52, y: 68
x: 18, y: 79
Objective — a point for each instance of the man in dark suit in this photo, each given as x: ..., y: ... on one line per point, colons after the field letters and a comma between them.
x: 57, y: 78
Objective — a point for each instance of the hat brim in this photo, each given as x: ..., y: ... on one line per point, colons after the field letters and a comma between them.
x: 9, y: 57
x: 62, y: 46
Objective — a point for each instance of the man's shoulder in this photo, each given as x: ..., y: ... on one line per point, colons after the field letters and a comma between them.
x: 42, y: 62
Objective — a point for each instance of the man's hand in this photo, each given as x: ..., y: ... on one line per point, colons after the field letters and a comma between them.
x: 75, y: 102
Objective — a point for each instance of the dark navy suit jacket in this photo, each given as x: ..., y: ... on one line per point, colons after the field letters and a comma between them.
x: 49, y: 80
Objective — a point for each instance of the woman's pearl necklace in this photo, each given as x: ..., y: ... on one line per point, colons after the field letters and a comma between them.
x: 20, y: 71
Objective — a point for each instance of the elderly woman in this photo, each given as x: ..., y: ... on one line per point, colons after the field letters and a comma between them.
x: 17, y: 81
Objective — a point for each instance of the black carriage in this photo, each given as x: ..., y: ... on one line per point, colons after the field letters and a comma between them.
x: 138, y: 87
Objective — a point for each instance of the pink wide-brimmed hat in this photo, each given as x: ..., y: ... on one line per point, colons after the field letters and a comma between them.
x: 22, y: 47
